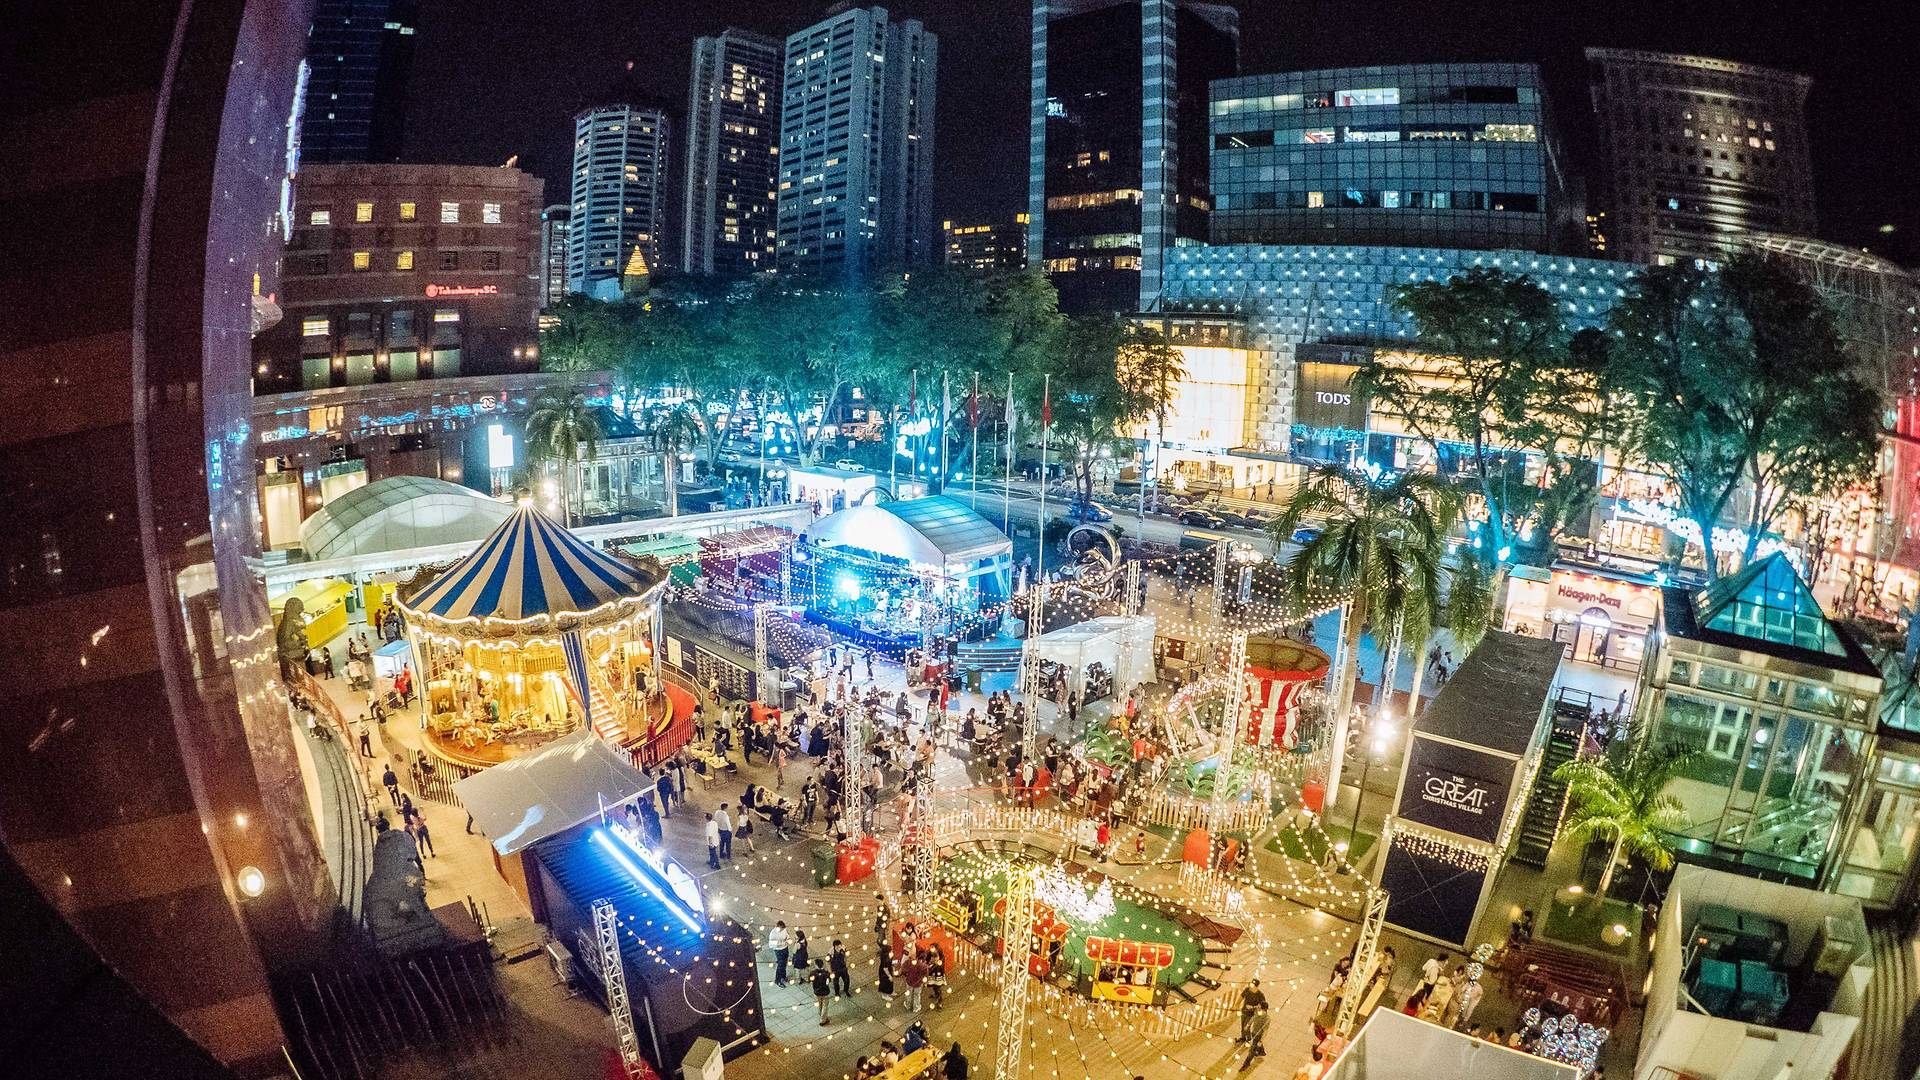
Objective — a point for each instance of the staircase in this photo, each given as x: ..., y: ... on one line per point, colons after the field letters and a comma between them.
x: 606, y: 715
x: 1571, y: 713
x: 994, y: 654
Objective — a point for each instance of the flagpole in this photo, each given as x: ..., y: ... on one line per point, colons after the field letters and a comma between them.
x: 1006, y: 468
x: 1046, y: 421
x: 946, y: 417
x: 973, y: 463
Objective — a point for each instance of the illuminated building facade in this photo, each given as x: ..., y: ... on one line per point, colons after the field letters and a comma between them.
x: 1698, y: 154
x: 1117, y: 149
x: 1416, y: 155
x: 620, y: 163
x: 733, y: 147
x: 986, y: 247
x: 402, y: 272
x: 555, y: 223
x: 855, y: 190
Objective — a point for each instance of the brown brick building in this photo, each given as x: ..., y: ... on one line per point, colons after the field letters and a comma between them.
x: 401, y: 272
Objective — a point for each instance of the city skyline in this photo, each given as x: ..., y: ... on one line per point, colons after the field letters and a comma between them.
x: 1855, y: 67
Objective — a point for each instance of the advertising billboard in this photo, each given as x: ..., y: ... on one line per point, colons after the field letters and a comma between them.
x: 1455, y: 789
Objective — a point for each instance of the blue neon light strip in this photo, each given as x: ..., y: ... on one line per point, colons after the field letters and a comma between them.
x: 641, y: 876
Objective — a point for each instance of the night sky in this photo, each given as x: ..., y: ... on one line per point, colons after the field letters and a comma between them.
x: 494, y: 78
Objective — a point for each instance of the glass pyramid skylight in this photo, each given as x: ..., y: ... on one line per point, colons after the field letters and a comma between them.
x: 1768, y: 602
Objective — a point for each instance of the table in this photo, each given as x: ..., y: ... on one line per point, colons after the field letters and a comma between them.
x: 913, y: 1065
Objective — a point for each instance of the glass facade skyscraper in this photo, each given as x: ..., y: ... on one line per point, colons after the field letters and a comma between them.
x: 359, y: 55
x: 1699, y: 154
x: 733, y: 146
x: 1427, y: 155
x: 856, y: 145
x: 619, y: 197
x: 1118, y: 141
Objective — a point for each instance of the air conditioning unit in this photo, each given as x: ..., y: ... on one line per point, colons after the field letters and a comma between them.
x: 1834, y: 948
x: 561, y: 962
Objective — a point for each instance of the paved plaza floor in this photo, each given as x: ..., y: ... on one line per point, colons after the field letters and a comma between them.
x: 1289, y: 946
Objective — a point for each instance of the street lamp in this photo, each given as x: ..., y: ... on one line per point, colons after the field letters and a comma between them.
x: 1383, y: 734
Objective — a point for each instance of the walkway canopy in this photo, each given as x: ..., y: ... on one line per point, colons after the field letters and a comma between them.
x: 521, y: 802
x: 533, y: 574
x: 934, y: 532
x: 400, y: 512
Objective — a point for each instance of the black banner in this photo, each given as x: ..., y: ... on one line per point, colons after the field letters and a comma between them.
x: 1455, y: 789
x: 1431, y: 896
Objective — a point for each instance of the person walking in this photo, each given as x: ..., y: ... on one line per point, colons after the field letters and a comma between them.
x: 422, y: 837
x: 1252, y: 1001
x: 713, y: 843
x: 1469, y: 999
x: 725, y: 822
x: 1430, y: 972
x: 665, y: 786
x: 914, y: 974
x: 1256, y: 1029
x: 883, y: 972
x: 802, y: 954
x: 366, y: 737
x: 955, y: 1065
x: 837, y: 964
x: 392, y: 784
x: 822, y: 989
x: 781, y: 944
x: 936, y: 976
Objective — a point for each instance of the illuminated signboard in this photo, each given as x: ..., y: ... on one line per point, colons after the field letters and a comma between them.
x: 665, y: 879
x: 442, y: 292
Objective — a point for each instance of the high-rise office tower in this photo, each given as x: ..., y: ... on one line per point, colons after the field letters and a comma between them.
x: 1117, y: 150
x: 1699, y: 153
x: 733, y: 147
x: 619, y: 197
x: 856, y: 145
x: 555, y: 223
x: 1402, y: 155
x: 359, y: 55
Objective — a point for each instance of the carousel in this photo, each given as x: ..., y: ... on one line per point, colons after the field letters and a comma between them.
x: 534, y: 635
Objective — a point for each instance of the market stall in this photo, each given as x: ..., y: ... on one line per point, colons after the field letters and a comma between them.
x: 1100, y: 658
x: 829, y: 490
x: 525, y: 638
x: 323, y: 608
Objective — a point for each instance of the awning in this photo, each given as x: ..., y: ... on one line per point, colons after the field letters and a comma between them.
x: 526, y: 799
x: 933, y: 531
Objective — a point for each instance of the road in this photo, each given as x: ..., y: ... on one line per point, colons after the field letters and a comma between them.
x: 1025, y: 506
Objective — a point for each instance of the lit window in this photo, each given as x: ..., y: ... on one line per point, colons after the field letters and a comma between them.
x: 408, y: 211
x: 403, y: 260
x: 363, y: 212
x: 363, y: 260
x: 449, y: 213
x: 1316, y: 199
x: 490, y: 213
x: 315, y: 326
x: 319, y: 217
x: 446, y: 315
x: 1506, y: 133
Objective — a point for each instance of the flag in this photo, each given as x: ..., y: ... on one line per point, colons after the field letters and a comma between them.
x: 946, y: 403
x: 1009, y: 404
x: 913, y: 391
x: 1046, y: 404
x: 973, y: 404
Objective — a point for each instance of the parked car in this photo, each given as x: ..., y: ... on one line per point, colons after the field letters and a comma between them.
x: 1089, y: 511
x: 849, y: 465
x: 1200, y: 519
x: 1305, y: 534
x: 1233, y: 519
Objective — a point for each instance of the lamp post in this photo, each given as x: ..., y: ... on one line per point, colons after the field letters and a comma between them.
x: 1382, y: 734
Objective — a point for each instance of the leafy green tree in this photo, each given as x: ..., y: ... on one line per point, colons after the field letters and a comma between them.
x: 1494, y: 373
x: 1736, y: 380
x: 562, y: 429
x: 807, y: 342
x: 679, y: 429
x: 589, y: 335
x: 1380, y: 550
x: 1090, y: 402
x: 1151, y: 369
x: 1624, y: 796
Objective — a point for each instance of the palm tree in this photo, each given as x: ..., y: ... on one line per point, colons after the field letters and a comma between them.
x: 678, y: 429
x: 1379, y: 550
x: 562, y: 429
x: 1624, y: 796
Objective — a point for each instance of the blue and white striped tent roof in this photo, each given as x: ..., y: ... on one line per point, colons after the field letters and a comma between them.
x: 530, y: 567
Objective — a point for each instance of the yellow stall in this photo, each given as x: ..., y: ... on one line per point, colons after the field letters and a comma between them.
x: 324, y: 607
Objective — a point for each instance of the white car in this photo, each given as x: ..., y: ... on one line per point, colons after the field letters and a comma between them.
x: 849, y: 465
